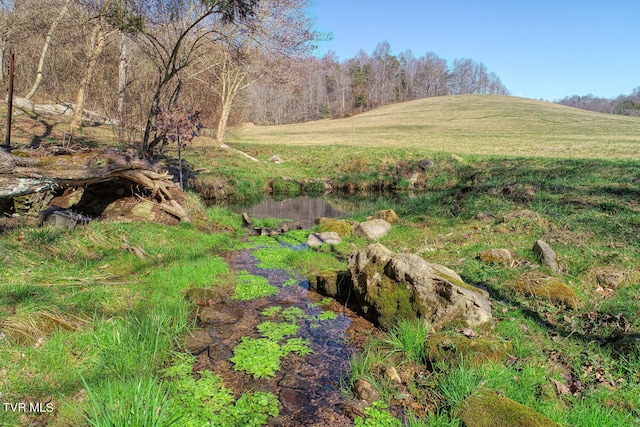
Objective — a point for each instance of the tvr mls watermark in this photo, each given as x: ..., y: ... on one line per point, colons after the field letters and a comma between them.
x: 26, y: 407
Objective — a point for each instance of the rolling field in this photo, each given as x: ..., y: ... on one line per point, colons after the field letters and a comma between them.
x: 469, y: 124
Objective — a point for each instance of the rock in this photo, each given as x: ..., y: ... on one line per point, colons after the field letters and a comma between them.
x: 392, y: 375
x: 611, y: 278
x: 366, y: 391
x: 353, y: 408
x: 455, y: 349
x: 372, y: 230
x: 546, y: 255
x: 343, y: 228
x: 388, y: 215
x: 425, y: 164
x: 457, y: 158
x: 545, y: 287
x: 489, y: 409
x: 498, y: 256
x: 326, y: 238
x: 69, y: 198
x: 390, y: 286
x: 275, y: 159
x: 413, y: 179
x: 246, y: 221
x: 331, y: 283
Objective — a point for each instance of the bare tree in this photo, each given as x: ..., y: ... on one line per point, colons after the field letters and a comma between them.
x: 45, y: 48
x: 174, y: 44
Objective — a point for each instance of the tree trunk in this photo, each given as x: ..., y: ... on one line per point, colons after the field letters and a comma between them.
x: 98, y: 41
x: 122, y: 75
x: 45, y: 48
x: 224, y: 118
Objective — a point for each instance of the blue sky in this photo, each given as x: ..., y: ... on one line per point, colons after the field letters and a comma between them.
x: 540, y: 49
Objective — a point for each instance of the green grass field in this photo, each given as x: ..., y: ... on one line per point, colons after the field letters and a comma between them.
x: 467, y: 124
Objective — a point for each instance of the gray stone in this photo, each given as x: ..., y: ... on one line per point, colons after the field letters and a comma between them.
x: 389, y: 285
x: 372, y: 230
x: 547, y: 256
x: 366, y: 391
x: 326, y: 238
x: 498, y: 256
x: 275, y: 159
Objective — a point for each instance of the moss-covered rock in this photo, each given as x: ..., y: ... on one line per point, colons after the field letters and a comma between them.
x: 389, y: 286
x: 454, y: 349
x: 343, y: 228
x: 549, y: 288
x: 489, y: 409
x: 388, y: 215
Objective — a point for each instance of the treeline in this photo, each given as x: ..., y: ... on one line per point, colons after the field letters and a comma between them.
x: 230, y: 60
x: 326, y: 87
x: 628, y: 105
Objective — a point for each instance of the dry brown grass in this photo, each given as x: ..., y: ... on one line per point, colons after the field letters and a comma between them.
x: 469, y: 124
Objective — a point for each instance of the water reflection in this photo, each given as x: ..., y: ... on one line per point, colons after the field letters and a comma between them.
x: 301, y: 210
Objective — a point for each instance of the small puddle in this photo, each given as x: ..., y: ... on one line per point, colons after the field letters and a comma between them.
x: 301, y: 210
x: 308, y: 387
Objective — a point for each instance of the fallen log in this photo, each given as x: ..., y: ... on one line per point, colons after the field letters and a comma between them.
x: 26, y: 172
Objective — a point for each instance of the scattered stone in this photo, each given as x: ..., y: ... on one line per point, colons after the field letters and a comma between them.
x: 390, y: 286
x: 275, y: 159
x: 392, y: 375
x: 414, y: 178
x: 69, y: 198
x: 372, y: 230
x: 454, y: 349
x: 326, y: 238
x: 388, y: 215
x: 549, y: 288
x: 246, y: 221
x: 354, y: 408
x: 611, y: 278
x: 366, y: 391
x: 498, y: 256
x: 425, y: 164
x: 489, y: 409
x: 545, y: 254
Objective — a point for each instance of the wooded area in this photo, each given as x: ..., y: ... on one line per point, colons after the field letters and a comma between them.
x: 231, y: 60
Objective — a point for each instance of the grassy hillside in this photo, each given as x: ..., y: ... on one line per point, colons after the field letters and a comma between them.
x: 469, y: 124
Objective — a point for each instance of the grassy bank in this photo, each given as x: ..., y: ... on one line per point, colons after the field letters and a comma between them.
x: 86, y: 321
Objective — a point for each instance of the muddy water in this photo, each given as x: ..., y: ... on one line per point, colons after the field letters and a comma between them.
x: 308, y: 387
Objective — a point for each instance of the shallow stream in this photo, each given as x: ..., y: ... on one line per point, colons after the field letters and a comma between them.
x: 308, y: 387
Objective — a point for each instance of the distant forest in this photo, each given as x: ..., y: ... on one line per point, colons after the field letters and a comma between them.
x: 231, y: 60
x: 315, y: 88
x: 628, y: 105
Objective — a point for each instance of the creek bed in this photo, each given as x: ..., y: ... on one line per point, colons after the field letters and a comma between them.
x: 308, y: 387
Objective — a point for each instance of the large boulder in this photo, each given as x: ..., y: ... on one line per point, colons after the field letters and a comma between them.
x: 389, y: 286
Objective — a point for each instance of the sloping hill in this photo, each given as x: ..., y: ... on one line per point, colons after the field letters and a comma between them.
x: 468, y: 124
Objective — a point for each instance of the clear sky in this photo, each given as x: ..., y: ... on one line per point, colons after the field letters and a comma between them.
x: 540, y: 49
